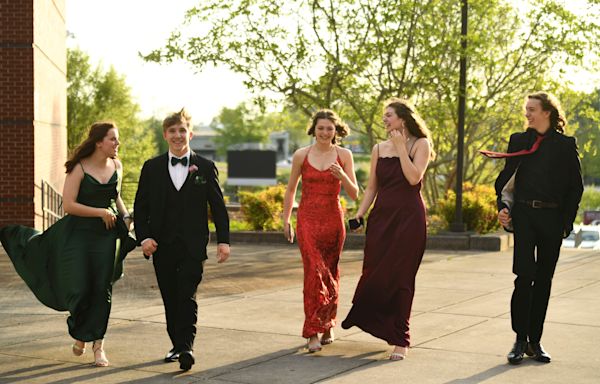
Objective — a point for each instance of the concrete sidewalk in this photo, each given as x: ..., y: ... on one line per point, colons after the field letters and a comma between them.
x: 251, y: 315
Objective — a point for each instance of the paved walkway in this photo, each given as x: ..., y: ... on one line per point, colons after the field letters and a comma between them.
x: 251, y: 317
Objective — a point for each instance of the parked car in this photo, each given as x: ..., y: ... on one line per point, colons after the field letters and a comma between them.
x: 590, y: 237
x: 573, y: 240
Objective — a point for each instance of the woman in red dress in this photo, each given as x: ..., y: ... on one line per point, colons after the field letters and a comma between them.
x: 396, y: 231
x: 324, y: 167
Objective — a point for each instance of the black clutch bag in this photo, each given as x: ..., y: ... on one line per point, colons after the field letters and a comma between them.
x: 355, y: 224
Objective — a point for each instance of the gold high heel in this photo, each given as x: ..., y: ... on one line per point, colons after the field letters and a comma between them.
x: 77, y: 350
x: 100, y: 359
x: 397, y: 356
x: 329, y: 339
x: 315, y: 347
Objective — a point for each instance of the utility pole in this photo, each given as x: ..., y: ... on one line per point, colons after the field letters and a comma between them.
x: 458, y: 225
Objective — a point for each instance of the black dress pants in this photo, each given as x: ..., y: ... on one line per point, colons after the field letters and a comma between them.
x: 537, y: 241
x: 178, y: 276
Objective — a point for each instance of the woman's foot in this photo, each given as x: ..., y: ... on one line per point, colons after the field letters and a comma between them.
x: 313, y: 344
x: 327, y: 337
x: 399, y: 353
x: 100, y: 359
x: 78, y: 348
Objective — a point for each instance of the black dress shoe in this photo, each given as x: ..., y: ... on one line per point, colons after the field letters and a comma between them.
x: 515, y: 356
x: 186, y: 360
x: 537, y: 353
x: 171, y: 356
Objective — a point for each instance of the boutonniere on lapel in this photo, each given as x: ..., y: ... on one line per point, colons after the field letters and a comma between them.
x: 193, y: 173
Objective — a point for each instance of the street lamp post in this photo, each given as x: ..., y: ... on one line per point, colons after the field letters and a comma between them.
x: 458, y: 225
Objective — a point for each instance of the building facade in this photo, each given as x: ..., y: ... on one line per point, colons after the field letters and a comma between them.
x: 33, y: 110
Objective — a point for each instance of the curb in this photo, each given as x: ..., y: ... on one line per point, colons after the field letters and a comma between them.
x: 447, y: 241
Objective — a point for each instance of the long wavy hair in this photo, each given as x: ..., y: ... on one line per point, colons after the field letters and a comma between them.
x: 551, y: 104
x: 96, y: 134
x: 341, y: 128
x: 415, y: 124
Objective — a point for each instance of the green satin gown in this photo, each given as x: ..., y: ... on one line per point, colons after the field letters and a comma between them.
x: 71, y: 266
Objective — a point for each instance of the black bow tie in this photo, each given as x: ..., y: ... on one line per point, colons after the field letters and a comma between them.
x: 183, y: 161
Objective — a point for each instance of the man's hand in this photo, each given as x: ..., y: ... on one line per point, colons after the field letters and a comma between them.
x: 504, y: 217
x: 222, y: 252
x: 149, y: 246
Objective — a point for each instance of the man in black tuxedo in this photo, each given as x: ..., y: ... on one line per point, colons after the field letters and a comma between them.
x: 545, y: 174
x: 171, y: 222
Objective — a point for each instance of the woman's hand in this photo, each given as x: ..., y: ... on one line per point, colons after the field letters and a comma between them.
x: 288, y: 232
x: 109, y: 218
x: 337, y: 171
x: 399, y: 138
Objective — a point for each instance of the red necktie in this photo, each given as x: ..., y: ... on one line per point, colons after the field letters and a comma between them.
x: 501, y: 155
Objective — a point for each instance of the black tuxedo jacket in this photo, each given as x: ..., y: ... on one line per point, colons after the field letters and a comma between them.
x: 150, y: 203
x: 559, y: 153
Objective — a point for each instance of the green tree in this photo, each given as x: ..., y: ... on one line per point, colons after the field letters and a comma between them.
x: 289, y: 120
x: 351, y: 55
x: 238, y: 125
x: 94, y: 95
x: 154, y: 125
x: 247, y: 123
x: 583, y: 114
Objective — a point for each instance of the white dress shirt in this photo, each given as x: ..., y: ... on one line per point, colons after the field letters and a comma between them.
x: 178, y: 172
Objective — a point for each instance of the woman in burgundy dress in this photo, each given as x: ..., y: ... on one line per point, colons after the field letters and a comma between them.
x: 324, y: 168
x: 396, y: 231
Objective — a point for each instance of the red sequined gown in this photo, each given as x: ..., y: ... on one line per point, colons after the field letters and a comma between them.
x: 320, y: 233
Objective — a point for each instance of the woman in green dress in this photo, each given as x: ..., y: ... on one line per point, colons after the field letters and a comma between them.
x: 72, y: 265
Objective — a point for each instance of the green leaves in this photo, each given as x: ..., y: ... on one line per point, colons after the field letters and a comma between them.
x: 93, y: 95
x: 351, y: 55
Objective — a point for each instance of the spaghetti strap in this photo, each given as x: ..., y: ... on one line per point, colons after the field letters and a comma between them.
x: 81, y: 165
x: 411, y: 147
x: 338, y: 158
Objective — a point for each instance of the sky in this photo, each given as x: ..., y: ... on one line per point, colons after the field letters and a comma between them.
x: 113, y: 32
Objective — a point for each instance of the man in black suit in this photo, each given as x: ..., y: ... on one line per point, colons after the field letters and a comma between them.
x: 544, y: 174
x: 171, y: 222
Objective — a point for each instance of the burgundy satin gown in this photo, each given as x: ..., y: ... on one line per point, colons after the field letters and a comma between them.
x: 321, y: 233
x: 394, y: 246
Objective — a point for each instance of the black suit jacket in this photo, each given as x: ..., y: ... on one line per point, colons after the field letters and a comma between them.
x: 560, y: 153
x: 150, y: 203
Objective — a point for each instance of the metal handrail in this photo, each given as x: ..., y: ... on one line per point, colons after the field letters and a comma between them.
x: 52, y: 209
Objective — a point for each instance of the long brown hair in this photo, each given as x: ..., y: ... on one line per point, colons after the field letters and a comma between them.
x: 415, y: 124
x: 341, y: 129
x: 97, y: 132
x: 551, y: 104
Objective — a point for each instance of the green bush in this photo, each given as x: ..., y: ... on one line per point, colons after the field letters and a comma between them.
x: 480, y: 212
x: 262, y: 210
x: 435, y: 224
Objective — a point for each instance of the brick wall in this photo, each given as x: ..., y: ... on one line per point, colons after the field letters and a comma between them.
x: 32, y: 105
